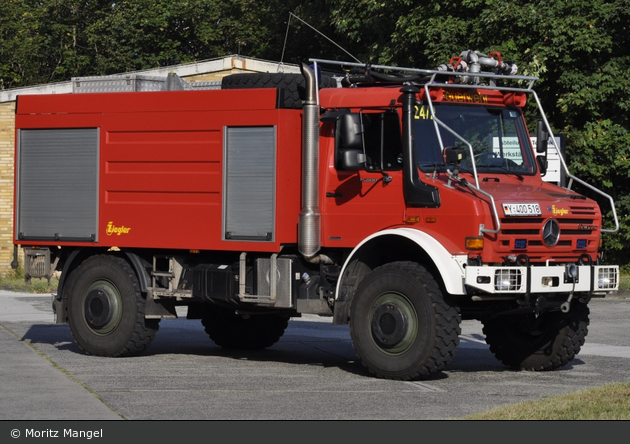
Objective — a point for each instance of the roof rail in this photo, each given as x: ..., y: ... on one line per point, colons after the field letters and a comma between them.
x: 368, y: 73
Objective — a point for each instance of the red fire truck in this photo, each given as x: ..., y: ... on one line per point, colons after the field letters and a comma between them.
x: 399, y: 201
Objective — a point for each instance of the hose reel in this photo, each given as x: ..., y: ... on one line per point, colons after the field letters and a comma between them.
x: 473, y: 62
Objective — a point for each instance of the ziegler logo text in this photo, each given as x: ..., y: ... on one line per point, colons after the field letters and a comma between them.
x: 113, y: 229
x: 559, y: 211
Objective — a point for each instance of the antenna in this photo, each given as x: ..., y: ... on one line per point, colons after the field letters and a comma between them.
x: 291, y: 15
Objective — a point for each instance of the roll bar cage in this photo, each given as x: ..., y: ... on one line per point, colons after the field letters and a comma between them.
x: 429, y: 79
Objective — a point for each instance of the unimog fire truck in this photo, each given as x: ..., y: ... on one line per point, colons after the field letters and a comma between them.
x: 399, y: 201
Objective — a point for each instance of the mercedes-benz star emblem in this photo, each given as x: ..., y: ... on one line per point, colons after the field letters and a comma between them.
x: 551, y: 232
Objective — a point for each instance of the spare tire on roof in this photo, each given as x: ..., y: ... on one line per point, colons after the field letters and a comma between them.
x: 292, y: 87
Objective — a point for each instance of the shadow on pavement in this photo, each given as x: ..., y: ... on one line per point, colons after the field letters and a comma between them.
x: 304, y: 343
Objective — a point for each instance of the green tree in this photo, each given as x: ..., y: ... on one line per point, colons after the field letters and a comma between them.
x: 577, y: 48
x: 54, y: 40
x: 20, y: 44
x: 144, y: 34
x: 41, y: 42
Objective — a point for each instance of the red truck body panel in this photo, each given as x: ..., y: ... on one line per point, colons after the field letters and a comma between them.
x: 160, y: 167
x: 161, y: 173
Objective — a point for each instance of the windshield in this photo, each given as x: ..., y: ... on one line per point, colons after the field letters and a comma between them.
x: 499, y: 138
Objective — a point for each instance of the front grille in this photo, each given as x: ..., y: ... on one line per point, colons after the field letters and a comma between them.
x: 525, y: 233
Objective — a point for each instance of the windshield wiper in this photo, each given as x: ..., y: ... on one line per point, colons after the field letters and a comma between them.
x: 501, y: 169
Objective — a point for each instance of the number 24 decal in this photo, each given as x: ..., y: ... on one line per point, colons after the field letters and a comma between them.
x: 422, y: 112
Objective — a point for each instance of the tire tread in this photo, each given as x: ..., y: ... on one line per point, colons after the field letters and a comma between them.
x: 144, y: 330
x: 447, y: 329
x: 571, y: 335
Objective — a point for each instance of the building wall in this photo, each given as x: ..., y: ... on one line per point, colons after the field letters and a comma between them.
x: 7, y: 142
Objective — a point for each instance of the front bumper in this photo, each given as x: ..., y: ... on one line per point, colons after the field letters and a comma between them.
x: 593, y: 279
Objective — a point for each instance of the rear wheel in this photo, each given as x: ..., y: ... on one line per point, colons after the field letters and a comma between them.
x: 106, y: 308
x: 545, y: 342
x: 400, y: 325
x: 243, y: 332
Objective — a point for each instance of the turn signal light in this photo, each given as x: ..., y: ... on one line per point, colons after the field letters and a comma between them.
x: 474, y: 243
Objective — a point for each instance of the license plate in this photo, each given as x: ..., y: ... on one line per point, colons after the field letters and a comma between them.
x: 521, y: 209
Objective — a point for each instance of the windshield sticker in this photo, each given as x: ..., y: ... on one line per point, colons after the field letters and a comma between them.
x: 508, y: 148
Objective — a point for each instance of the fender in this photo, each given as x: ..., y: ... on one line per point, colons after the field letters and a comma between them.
x: 451, y: 267
x: 143, y: 277
x: 64, y: 273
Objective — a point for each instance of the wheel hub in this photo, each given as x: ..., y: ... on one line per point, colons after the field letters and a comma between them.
x: 98, y: 308
x: 389, y: 325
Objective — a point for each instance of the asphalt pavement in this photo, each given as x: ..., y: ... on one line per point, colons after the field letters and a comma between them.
x: 312, y: 373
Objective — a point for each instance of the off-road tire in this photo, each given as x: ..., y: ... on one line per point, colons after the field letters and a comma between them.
x: 236, y: 332
x: 548, y: 342
x: 400, y: 324
x: 292, y: 86
x: 106, y: 308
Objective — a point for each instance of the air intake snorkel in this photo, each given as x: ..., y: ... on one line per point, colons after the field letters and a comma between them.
x: 309, y: 222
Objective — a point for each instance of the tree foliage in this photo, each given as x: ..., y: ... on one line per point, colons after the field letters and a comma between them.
x: 141, y: 34
x: 577, y: 48
x: 58, y: 39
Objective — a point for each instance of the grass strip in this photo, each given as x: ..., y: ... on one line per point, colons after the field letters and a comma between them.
x: 606, y: 403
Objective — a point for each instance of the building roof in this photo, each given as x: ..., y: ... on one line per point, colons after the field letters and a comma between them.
x: 228, y: 64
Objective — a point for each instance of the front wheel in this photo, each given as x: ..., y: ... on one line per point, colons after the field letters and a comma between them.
x: 106, y: 308
x: 544, y: 342
x: 400, y: 325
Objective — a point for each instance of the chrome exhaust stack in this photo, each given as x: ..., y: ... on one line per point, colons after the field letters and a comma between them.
x: 309, y: 222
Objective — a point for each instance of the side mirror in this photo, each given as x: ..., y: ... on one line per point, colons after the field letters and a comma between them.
x: 542, y: 164
x: 542, y: 138
x: 352, y: 159
x: 351, y: 130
